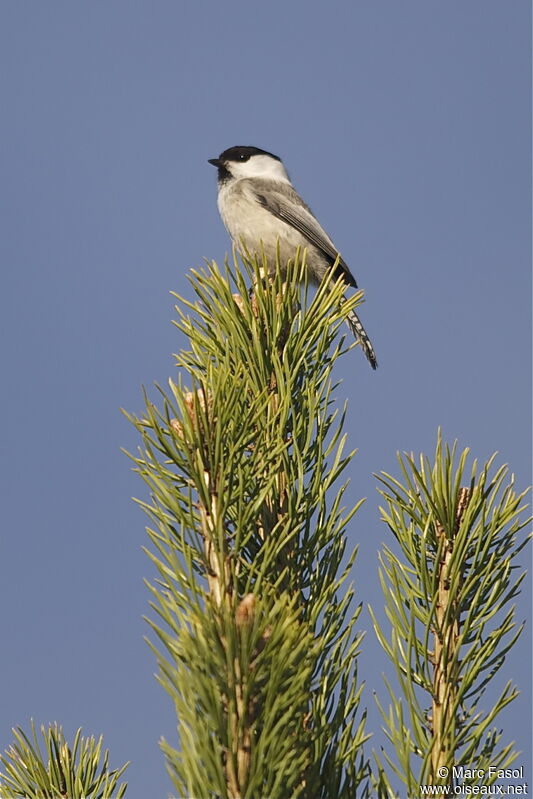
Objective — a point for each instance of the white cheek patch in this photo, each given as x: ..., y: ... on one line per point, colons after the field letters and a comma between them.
x: 259, y: 166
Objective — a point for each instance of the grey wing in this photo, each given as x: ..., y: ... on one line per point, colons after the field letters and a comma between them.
x: 287, y: 205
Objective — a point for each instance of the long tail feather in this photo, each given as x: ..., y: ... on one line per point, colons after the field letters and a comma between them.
x: 355, y: 325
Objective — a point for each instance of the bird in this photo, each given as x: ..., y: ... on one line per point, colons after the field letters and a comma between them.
x: 263, y: 212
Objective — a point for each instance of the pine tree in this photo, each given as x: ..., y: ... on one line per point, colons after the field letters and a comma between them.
x: 448, y: 600
x: 78, y: 771
x: 256, y: 622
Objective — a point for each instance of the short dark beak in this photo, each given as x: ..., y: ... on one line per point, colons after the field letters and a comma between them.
x: 215, y: 161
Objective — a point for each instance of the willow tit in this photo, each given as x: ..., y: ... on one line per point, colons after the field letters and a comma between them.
x: 262, y: 211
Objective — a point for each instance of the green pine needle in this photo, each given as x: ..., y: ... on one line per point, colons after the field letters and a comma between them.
x: 77, y: 771
x: 254, y: 619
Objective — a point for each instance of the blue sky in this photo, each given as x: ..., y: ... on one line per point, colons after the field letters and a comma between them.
x: 406, y: 126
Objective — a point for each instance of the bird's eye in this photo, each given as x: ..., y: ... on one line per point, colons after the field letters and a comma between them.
x: 243, y: 157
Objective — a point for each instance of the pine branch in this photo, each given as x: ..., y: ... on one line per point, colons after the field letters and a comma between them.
x: 447, y: 599
x: 255, y: 621
x: 78, y: 771
x: 446, y: 645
